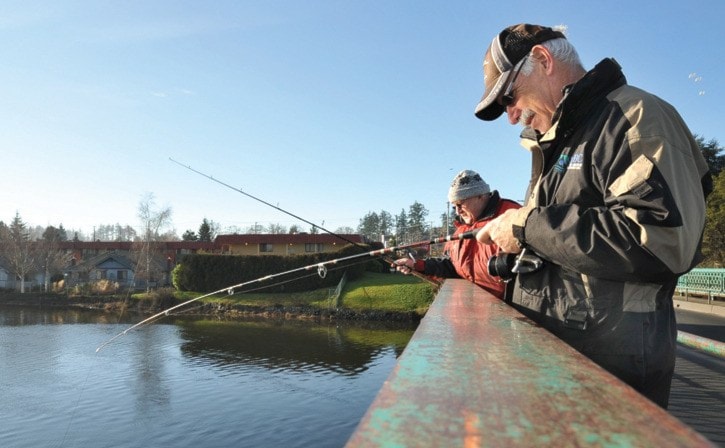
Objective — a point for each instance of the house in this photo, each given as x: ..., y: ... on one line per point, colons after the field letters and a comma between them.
x: 7, y: 279
x: 82, y: 250
x: 283, y: 244
x: 91, y: 261
x: 112, y: 266
x: 11, y: 281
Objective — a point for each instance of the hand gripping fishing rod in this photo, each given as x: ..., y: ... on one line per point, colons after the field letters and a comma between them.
x: 321, y: 271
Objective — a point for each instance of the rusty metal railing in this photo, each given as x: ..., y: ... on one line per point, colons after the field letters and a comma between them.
x: 709, y: 346
x: 478, y: 373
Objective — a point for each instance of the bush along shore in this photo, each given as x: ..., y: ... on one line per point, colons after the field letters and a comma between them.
x: 374, y: 296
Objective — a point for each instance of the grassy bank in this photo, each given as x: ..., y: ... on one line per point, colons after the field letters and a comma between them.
x: 378, y: 292
x: 372, y: 294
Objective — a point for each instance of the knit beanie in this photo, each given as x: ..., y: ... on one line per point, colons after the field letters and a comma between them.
x: 466, y: 185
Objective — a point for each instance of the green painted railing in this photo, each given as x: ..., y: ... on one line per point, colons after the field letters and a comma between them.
x: 477, y: 373
x: 703, y: 281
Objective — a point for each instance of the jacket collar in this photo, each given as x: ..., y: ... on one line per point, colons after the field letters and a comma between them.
x: 580, y: 98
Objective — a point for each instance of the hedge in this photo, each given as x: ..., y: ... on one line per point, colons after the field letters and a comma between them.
x: 209, y: 272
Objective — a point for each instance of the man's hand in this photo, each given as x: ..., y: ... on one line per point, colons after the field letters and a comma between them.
x: 404, y: 265
x: 500, y: 230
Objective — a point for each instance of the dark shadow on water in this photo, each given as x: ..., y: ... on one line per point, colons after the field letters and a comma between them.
x: 342, y: 348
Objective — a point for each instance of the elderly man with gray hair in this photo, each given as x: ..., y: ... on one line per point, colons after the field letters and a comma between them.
x: 475, y: 205
x: 615, y: 207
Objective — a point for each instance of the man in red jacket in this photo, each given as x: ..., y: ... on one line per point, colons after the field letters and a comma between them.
x: 475, y: 206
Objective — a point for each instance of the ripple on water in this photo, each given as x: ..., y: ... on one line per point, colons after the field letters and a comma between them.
x: 186, y: 384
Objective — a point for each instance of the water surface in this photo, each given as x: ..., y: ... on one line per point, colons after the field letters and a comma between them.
x: 187, y: 381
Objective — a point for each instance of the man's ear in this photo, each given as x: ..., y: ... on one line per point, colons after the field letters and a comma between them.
x: 543, y: 57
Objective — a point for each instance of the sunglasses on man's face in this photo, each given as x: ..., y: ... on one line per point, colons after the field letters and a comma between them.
x: 507, y: 98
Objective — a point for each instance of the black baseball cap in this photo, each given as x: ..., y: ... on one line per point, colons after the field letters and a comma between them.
x: 508, y: 48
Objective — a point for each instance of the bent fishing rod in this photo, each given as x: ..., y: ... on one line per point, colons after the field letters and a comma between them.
x: 321, y: 271
x: 239, y: 190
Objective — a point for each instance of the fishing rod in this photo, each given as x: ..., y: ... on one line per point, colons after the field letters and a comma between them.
x: 239, y: 190
x: 321, y: 271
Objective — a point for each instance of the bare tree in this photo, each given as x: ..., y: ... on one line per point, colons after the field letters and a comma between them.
x: 53, y: 259
x: 19, y: 250
x: 255, y: 229
x: 234, y: 230
x: 145, y: 252
x: 276, y: 229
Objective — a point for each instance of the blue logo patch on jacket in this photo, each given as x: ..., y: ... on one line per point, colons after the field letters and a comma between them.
x: 562, y: 163
x: 573, y: 162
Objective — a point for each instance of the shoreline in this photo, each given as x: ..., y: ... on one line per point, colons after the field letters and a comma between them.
x: 231, y: 311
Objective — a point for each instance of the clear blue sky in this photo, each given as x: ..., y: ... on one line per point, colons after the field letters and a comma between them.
x: 330, y: 109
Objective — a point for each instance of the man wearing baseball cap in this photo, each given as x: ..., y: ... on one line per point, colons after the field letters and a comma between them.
x: 615, y: 207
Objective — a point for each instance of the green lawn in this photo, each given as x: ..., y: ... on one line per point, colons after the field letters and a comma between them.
x: 388, y: 292
x: 380, y: 292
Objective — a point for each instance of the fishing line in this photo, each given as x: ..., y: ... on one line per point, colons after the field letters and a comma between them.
x: 78, y: 400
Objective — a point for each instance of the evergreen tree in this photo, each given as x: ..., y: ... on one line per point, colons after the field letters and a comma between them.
x: 189, y: 235
x: 386, y: 223
x: 417, y: 227
x: 205, y: 231
x: 53, y: 234
x: 369, y: 226
x: 401, y: 227
x: 713, y: 152
x: 713, y: 244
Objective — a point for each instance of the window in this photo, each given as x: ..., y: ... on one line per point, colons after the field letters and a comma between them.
x: 313, y: 247
x: 265, y: 247
x: 121, y: 275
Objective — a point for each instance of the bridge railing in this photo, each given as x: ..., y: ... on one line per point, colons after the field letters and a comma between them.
x: 478, y: 373
x: 703, y: 281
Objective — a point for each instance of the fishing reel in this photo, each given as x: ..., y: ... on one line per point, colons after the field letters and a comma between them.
x: 506, y: 265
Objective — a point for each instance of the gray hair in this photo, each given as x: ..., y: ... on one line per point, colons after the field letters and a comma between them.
x: 561, y: 49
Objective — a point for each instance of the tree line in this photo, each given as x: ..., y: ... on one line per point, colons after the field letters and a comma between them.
x: 27, y: 250
x: 411, y: 225
x: 406, y: 227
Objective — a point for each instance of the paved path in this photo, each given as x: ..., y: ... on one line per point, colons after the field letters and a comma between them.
x: 698, y: 387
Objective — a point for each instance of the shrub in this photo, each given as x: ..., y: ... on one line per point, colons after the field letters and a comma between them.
x: 104, y: 287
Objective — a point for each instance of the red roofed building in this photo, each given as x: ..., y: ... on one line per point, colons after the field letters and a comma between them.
x: 283, y: 244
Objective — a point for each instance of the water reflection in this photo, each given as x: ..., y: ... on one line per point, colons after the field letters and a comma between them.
x: 290, y: 345
x: 187, y: 382
x: 13, y: 316
x: 150, y: 387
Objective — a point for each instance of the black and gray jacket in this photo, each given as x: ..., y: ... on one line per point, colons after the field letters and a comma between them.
x: 617, y: 210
